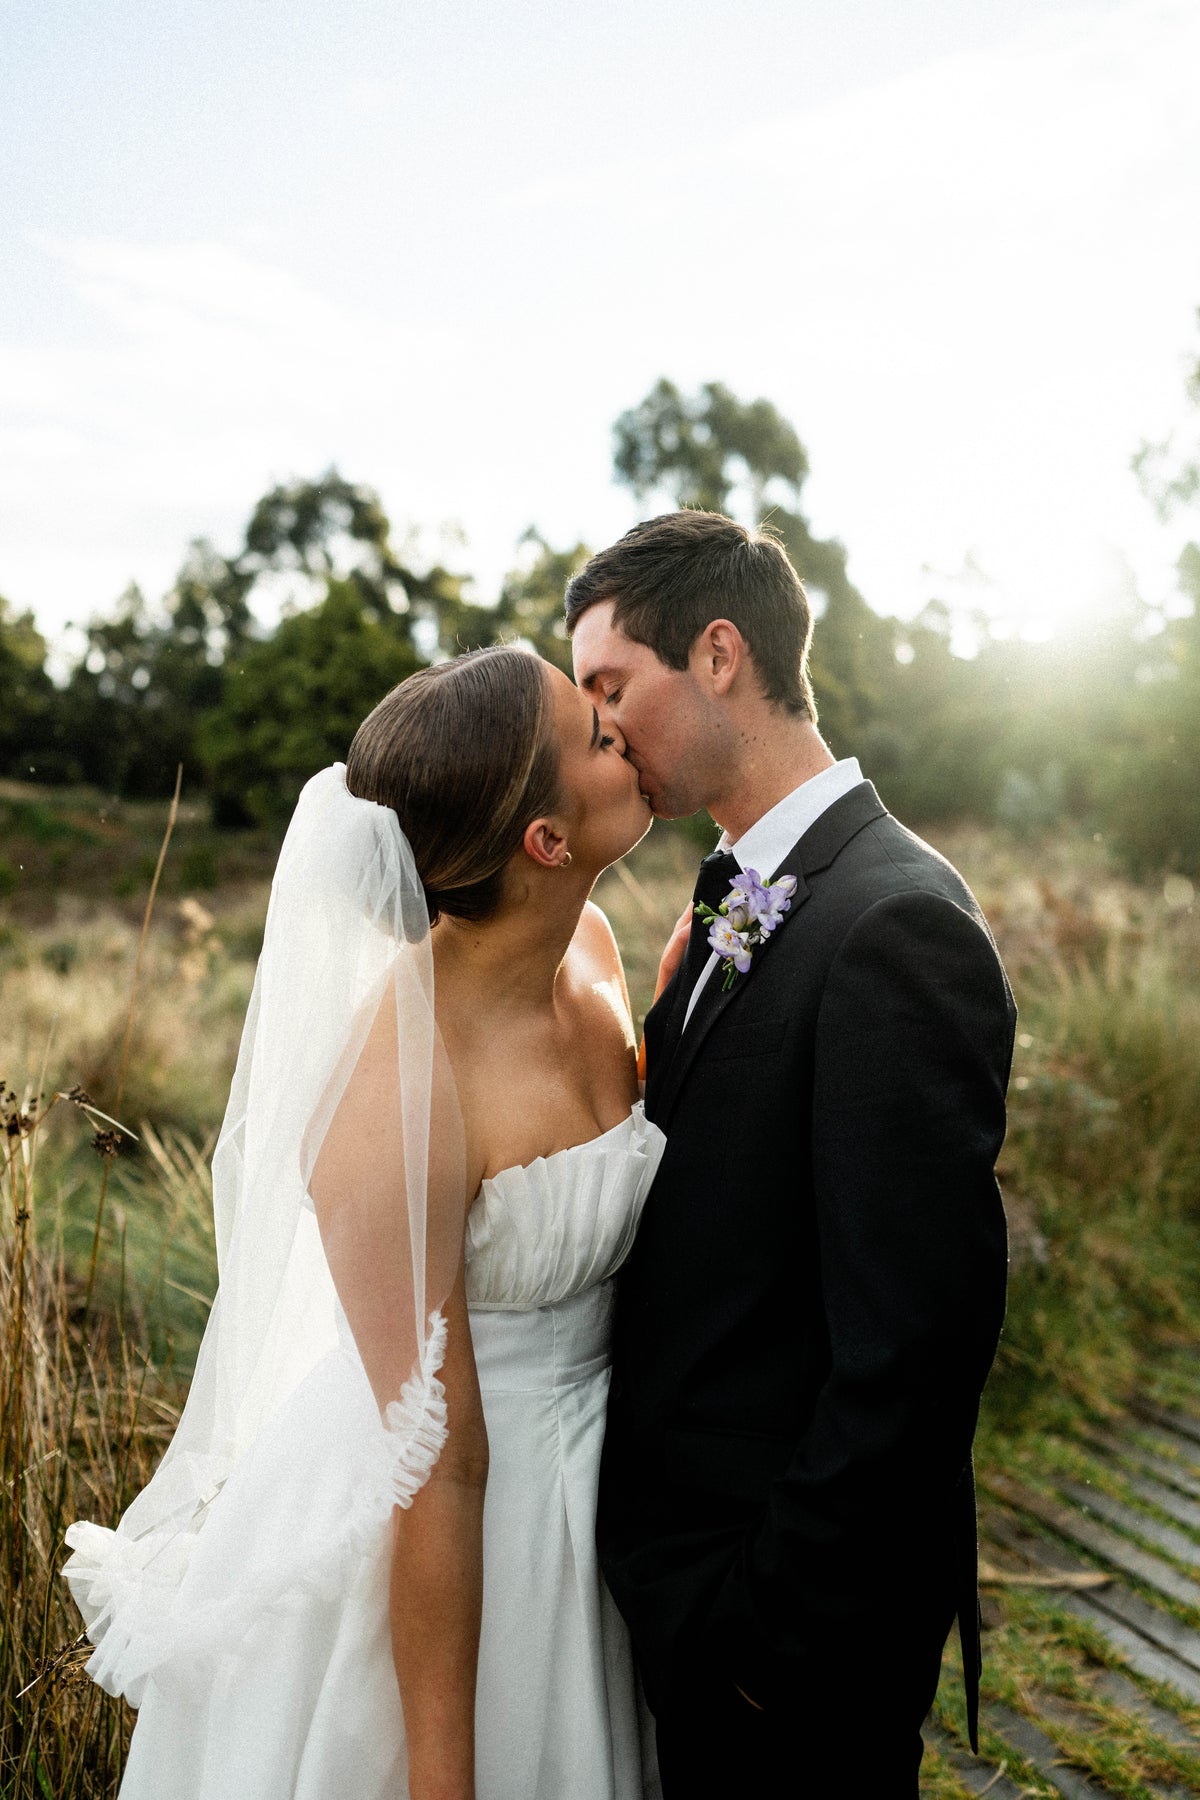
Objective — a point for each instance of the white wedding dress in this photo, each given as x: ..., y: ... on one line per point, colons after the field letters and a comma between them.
x: 305, y: 1705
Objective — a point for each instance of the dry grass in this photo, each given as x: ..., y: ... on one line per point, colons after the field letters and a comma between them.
x: 84, y: 1416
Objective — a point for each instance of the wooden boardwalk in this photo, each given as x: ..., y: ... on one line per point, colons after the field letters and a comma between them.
x: 1091, y: 1559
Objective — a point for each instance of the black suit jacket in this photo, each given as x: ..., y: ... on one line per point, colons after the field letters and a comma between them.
x: 813, y: 1301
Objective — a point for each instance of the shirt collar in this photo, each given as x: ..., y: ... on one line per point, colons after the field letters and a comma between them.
x: 770, y: 838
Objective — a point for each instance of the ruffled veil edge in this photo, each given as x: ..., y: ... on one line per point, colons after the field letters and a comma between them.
x: 338, y: 1194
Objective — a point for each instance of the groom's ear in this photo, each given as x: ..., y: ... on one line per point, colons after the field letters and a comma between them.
x: 545, y: 844
x: 717, y: 656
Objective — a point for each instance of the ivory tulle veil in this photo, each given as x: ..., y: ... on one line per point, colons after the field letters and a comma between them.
x: 339, y: 1209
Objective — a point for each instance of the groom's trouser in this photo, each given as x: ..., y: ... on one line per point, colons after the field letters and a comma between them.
x: 852, y: 1728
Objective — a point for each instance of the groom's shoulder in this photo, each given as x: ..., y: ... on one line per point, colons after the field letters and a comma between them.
x: 886, y: 860
x: 910, y: 861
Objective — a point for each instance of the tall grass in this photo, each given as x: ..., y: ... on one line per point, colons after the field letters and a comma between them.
x: 85, y: 1413
x: 1101, y: 1173
x: 75, y: 1440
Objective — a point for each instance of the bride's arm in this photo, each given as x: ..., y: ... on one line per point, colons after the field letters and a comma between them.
x: 437, y: 1585
x: 381, y: 1210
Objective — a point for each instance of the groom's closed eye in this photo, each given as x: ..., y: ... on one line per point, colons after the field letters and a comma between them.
x: 605, y: 742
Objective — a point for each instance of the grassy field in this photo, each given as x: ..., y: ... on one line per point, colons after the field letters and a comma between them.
x: 106, y: 1261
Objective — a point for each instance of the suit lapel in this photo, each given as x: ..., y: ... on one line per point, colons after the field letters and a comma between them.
x: 814, y: 852
x: 663, y: 1024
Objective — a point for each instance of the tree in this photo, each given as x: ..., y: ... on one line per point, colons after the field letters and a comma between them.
x: 1168, y: 472
x: 28, y: 721
x: 530, y: 606
x: 151, y: 673
x: 127, y: 726
x: 1152, y: 791
x: 714, y: 451
x: 292, y: 703
x: 702, y: 446
x: 334, y: 529
x: 531, y: 599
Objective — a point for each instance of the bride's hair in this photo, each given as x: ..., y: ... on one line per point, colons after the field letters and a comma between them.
x: 465, y: 755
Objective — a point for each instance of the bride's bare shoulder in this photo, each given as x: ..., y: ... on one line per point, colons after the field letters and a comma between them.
x: 594, y: 933
x: 597, y: 958
x: 594, y: 942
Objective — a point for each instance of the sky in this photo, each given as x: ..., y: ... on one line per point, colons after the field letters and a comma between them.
x: 444, y: 245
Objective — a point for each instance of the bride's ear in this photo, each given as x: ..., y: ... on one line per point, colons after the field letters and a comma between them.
x: 546, y: 844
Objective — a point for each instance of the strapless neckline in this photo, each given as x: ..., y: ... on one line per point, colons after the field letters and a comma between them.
x: 540, y: 1232
x: 635, y: 1116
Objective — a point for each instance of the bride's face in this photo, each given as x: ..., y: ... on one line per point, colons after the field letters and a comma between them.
x: 603, y: 811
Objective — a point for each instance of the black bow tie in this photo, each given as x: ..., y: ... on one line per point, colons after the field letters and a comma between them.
x: 716, y: 874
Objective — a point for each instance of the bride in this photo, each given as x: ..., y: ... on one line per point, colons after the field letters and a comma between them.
x: 366, y: 1564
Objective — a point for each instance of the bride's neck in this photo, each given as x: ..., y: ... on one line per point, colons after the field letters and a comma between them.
x: 514, y: 958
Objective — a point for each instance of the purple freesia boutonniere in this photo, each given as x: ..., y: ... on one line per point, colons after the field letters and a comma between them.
x: 745, y: 918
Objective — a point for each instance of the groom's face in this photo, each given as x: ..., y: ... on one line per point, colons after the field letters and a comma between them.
x: 660, y: 712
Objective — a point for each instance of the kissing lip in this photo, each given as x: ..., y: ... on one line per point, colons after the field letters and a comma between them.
x: 639, y: 773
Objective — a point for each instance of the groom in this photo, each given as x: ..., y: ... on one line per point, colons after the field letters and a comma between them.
x: 810, y: 1310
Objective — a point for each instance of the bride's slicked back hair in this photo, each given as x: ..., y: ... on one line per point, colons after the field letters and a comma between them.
x: 465, y: 755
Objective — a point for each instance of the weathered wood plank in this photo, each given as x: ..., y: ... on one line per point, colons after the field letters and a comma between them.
x: 1179, y: 1424
x: 1034, y: 1745
x: 977, y: 1775
x: 1126, y: 1451
x: 1153, y: 1641
x: 1167, y: 1538
x: 1078, y: 1528
x: 1143, y: 1658
x: 1119, y: 1691
x: 1185, y: 1512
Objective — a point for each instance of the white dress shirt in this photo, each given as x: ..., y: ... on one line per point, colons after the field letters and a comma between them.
x: 770, y: 838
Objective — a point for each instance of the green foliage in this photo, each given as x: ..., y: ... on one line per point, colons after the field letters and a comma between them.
x: 714, y: 451
x: 1170, y: 471
x: 151, y: 675
x: 1100, y: 1178
x: 702, y: 446
x: 293, y: 702
x: 1149, y: 780
x: 1152, y: 790
x: 128, y: 730
x: 529, y: 609
x: 531, y: 599
x: 27, y: 696
x: 1102, y: 731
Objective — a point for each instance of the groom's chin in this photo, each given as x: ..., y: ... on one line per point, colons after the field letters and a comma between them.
x: 668, y: 805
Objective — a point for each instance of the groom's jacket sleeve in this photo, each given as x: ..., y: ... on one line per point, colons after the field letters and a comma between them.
x: 912, y: 1050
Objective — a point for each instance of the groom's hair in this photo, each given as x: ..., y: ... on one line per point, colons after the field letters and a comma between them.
x: 670, y: 577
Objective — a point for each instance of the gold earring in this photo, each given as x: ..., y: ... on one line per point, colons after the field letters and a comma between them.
x: 566, y: 859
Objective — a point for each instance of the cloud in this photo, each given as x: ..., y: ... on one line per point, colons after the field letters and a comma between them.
x: 969, y: 287
x: 206, y: 374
